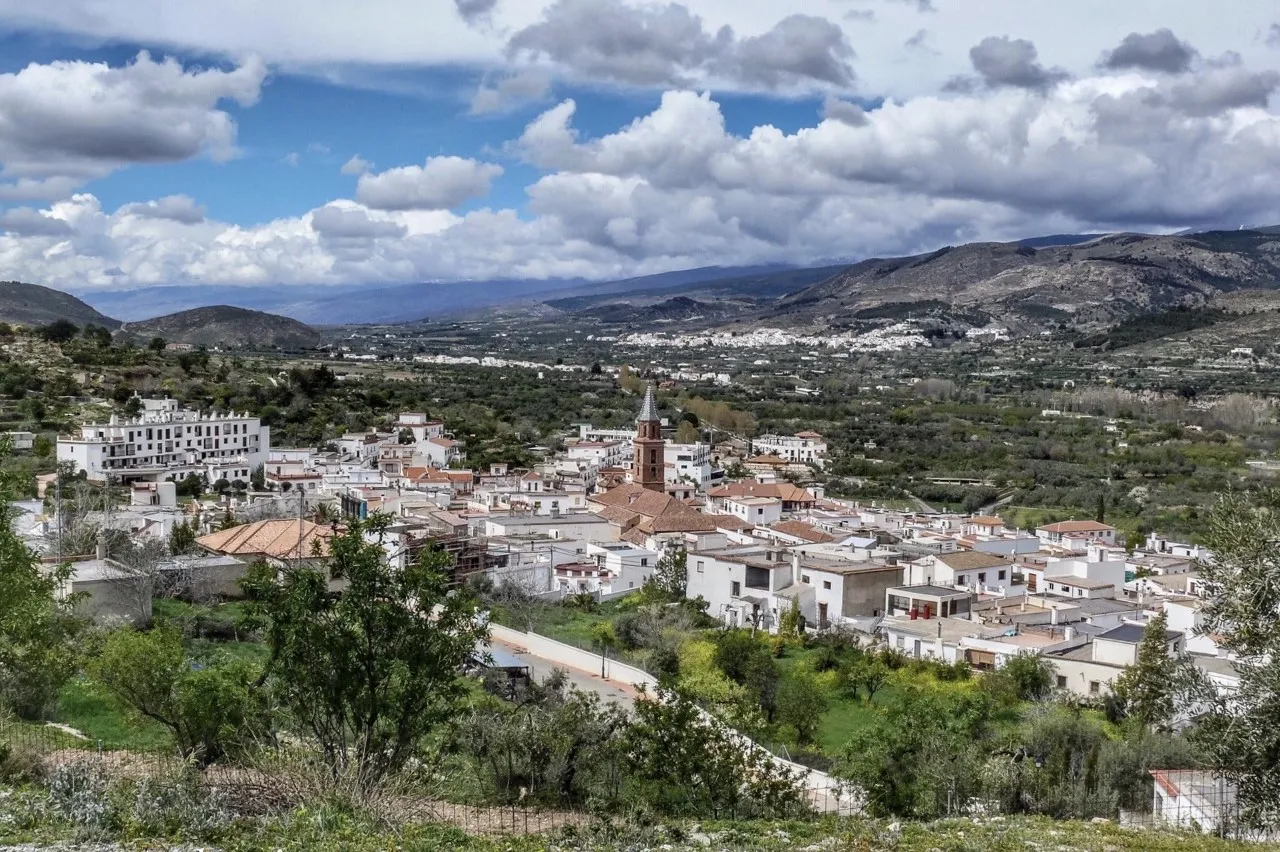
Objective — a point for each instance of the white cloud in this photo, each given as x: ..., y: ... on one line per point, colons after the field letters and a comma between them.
x: 511, y: 91
x: 442, y: 183
x: 336, y: 37
x: 65, y: 123
x: 678, y: 188
x: 356, y: 166
x: 292, y: 159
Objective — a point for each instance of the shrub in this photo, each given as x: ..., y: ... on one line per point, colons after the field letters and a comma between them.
x: 179, y: 805
x: 20, y: 763
x: 79, y: 793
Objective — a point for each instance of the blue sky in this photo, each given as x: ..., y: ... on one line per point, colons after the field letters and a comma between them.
x: 614, y: 137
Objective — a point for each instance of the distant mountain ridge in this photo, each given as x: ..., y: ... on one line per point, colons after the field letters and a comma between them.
x: 33, y: 305
x: 227, y: 327
x: 1092, y: 283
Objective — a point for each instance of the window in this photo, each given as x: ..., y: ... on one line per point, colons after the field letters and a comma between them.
x: 701, y: 565
x: 982, y: 577
x: 1094, y: 687
x: 644, y: 562
x: 735, y: 589
x: 826, y: 584
x: 1001, y: 575
x: 804, y: 578
x: 1062, y: 682
x: 962, y: 580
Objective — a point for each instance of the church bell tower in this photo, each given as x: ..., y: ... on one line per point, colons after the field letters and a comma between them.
x: 650, y: 464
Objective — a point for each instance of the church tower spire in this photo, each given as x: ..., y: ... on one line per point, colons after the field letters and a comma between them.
x: 650, y: 464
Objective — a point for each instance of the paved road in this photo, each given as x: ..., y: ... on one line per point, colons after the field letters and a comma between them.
x: 609, y: 690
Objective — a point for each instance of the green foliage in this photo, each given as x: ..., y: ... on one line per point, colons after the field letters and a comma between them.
x: 791, y: 622
x: 38, y: 631
x: 918, y: 756
x: 1141, y: 329
x: 1242, y: 731
x: 1149, y: 687
x: 156, y: 344
x: 214, y: 708
x: 367, y: 673
x: 687, y: 763
x: 182, y: 538
x: 58, y: 331
x: 669, y: 576
x: 801, y: 702
x: 561, y: 746
x: 1024, y: 677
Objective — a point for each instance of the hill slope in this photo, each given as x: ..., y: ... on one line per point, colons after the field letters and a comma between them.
x: 227, y: 328
x: 1089, y: 284
x: 31, y: 304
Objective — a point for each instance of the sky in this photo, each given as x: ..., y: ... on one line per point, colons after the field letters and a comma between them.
x: 226, y: 142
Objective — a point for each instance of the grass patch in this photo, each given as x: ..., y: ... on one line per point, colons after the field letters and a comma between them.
x: 99, y: 716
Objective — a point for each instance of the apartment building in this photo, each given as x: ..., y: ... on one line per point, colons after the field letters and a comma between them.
x: 167, y: 441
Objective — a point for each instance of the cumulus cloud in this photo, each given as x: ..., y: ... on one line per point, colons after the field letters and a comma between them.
x: 175, y: 208
x: 351, y: 222
x: 836, y: 109
x: 1006, y: 62
x: 511, y: 90
x: 356, y: 166
x: 678, y: 187
x: 669, y: 44
x: 1157, y: 51
x: 442, y: 183
x: 25, y: 222
x: 68, y: 122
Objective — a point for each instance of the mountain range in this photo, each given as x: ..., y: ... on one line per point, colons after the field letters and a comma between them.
x: 1087, y: 281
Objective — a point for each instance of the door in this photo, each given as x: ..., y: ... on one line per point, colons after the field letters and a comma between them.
x: 822, y: 616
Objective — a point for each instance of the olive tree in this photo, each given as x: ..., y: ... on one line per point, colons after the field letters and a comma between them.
x: 368, y: 671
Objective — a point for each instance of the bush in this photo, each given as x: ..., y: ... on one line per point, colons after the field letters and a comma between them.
x: 78, y: 792
x: 164, y: 807
x: 20, y: 764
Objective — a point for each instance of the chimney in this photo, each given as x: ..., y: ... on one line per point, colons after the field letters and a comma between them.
x: 1069, y: 633
x: 100, y: 551
x: 1053, y: 615
x: 795, y: 568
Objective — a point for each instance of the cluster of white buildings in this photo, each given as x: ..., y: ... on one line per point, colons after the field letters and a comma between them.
x: 600, y: 515
x: 897, y: 337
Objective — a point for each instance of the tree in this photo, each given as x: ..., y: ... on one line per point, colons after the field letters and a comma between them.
x: 42, y: 446
x: 1242, y: 730
x: 1149, y: 686
x: 258, y: 478
x: 192, y: 485
x: 156, y: 344
x: 406, y: 436
x: 59, y: 331
x: 595, y: 368
x: 371, y: 671
x: 1101, y: 515
x: 38, y: 631
x: 671, y: 573
x: 689, y: 763
x: 920, y: 750
x: 869, y: 674
x: 801, y: 702
x: 97, y: 335
x: 182, y: 538
x: 228, y: 519
x: 687, y: 433
x: 213, y: 709
x: 1025, y: 677
x: 604, y: 638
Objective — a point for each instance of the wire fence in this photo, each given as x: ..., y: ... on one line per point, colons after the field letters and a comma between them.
x: 1189, y: 800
